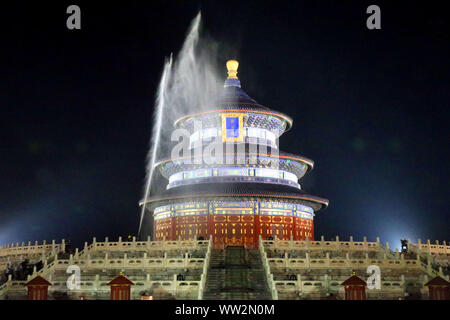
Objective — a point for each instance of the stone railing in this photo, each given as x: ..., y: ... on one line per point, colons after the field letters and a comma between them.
x: 36, y: 248
x: 429, y: 261
x: 131, y: 263
x: 45, y: 272
x: 398, y: 262
x: 433, y: 270
x: 436, y: 248
x: 433, y: 256
x: 205, y: 269
x: 172, y: 286
x: 343, y: 263
x: 328, y: 284
x: 16, y: 285
x: 266, y: 266
x: 4, y: 289
x: 141, y: 245
x: 85, y: 262
x: 322, y: 244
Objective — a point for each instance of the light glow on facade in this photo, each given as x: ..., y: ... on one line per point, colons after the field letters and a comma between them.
x: 275, y: 176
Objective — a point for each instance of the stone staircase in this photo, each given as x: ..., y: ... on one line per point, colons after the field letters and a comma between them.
x: 236, y: 274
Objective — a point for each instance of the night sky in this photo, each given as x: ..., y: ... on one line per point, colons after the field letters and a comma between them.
x: 370, y: 107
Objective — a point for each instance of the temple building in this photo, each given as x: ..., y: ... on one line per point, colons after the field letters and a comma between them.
x: 250, y: 189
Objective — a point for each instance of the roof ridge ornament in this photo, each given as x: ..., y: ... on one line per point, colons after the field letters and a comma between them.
x: 232, y: 80
x: 232, y: 67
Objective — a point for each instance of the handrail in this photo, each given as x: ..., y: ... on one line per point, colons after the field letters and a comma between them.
x: 205, y: 269
x: 322, y: 245
x: 266, y: 267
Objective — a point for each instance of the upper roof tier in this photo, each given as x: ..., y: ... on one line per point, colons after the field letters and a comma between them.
x: 232, y: 91
x: 234, y: 99
x: 294, y: 164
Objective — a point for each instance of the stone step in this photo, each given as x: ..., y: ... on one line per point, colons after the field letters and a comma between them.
x: 236, y: 273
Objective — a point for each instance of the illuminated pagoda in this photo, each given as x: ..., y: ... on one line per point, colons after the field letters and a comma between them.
x: 248, y: 190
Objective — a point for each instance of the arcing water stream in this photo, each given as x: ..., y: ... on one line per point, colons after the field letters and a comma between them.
x: 189, y: 84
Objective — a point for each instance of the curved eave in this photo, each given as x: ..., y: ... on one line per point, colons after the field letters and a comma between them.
x: 323, y: 203
x: 308, y: 162
x: 280, y: 115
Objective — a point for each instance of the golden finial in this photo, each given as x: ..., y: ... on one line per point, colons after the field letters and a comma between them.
x: 354, y: 273
x: 232, y: 66
x: 121, y: 273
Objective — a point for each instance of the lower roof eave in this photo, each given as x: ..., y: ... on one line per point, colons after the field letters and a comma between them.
x: 315, y: 202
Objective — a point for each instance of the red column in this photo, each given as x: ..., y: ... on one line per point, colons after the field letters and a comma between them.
x: 172, y: 234
x: 256, y: 230
x: 210, y: 230
x: 294, y: 228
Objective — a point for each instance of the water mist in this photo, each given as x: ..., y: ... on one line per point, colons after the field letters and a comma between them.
x: 190, y: 83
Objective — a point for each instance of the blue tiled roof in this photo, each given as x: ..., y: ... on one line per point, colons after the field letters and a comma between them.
x: 233, y: 94
x: 240, y: 189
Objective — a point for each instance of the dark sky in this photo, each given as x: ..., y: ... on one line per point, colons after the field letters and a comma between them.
x: 369, y: 107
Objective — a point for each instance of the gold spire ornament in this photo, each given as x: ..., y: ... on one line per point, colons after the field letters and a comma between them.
x: 232, y: 66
